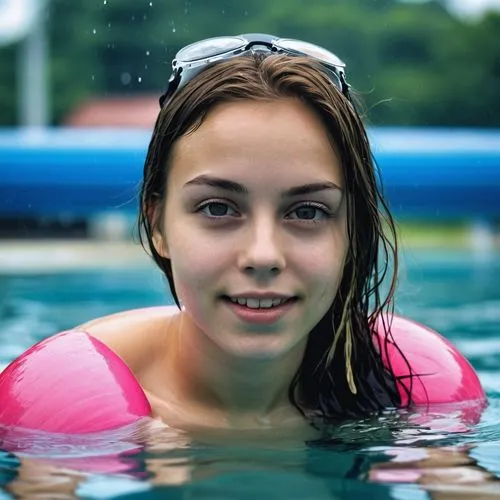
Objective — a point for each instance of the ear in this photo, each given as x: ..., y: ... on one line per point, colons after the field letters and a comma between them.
x: 160, y: 244
x: 158, y: 239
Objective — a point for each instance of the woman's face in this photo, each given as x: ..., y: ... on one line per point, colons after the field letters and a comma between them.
x: 255, y: 226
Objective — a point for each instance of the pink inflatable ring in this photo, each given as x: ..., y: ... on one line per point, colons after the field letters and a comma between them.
x: 72, y: 383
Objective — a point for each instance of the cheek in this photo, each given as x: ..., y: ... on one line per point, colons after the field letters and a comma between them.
x: 324, y: 258
x: 197, y: 263
x: 325, y: 277
x: 322, y: 264
x: 191, y: 277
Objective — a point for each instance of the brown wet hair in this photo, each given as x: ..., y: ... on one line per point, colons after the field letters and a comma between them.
x: 342, y: 373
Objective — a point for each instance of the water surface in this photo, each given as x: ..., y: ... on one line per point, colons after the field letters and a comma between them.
x: 433, y: 453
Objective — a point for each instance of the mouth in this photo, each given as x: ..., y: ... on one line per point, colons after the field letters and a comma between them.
x: 260, y: 303
x: 262, y: 311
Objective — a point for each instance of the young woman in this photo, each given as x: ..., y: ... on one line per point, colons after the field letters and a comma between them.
x: 260, y: 204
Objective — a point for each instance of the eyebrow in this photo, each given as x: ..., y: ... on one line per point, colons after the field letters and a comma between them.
x: 235, y: 187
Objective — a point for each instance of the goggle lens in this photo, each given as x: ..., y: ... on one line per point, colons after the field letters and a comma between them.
x: 209, y: 48
x: 311, y: 50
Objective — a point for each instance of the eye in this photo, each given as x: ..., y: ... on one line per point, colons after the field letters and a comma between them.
x: 217, y: 209
x: 310, y: 212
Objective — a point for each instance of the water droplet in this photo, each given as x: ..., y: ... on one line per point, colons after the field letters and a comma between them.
x: 150, y: 4
x: 93, y: 76
x: 173, y: 30
x: 223, y: 12
x: 133, y: 18
x: 105, y: 2
x: 109, y: 25
x: 145, y: 66
x: 147, y: 52
x: 94, y: 31
x: 139, y: 79
x: 125, y: 78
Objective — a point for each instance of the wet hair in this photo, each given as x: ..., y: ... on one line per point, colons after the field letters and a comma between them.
x: 342, y: 373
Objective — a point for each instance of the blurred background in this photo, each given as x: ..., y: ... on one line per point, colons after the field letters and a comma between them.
x: 79, y: 83
x: 434, y: 63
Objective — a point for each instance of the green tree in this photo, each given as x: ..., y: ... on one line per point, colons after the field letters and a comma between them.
x: 412, y: 64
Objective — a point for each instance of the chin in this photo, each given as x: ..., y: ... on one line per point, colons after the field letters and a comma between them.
x: 260, y: 349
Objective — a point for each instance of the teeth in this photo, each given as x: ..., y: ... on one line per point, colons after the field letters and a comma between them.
x: 266, y: 303
x: 258, y: 303
x: 253, y: 303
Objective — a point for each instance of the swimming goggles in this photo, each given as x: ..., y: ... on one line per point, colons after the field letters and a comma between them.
x: 193, y: 58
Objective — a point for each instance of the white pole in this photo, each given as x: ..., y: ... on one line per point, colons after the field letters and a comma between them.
x: 32, y: 75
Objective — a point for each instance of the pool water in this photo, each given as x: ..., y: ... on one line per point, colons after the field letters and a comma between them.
x: 433, y: 453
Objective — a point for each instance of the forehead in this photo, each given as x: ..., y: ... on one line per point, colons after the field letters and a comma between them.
x: 274, y: 140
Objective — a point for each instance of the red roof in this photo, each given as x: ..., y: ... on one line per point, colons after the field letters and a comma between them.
x: 139, y: 111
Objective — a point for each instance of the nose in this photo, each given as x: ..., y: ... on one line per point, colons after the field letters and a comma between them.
x: 262, y: 255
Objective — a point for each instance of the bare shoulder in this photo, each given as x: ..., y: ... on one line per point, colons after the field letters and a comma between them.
x: 137, y: 335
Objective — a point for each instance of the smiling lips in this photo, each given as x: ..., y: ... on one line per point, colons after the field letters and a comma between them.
x: 260, y: 310
x: 256, y: 303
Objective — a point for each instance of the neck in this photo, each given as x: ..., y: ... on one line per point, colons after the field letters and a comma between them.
x: 242, y: 390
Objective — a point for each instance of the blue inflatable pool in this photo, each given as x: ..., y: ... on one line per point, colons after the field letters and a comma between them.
x: 442, y: 173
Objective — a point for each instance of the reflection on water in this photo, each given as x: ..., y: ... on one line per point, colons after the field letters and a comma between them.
x: 433, y: 451
x: 446, y: 452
